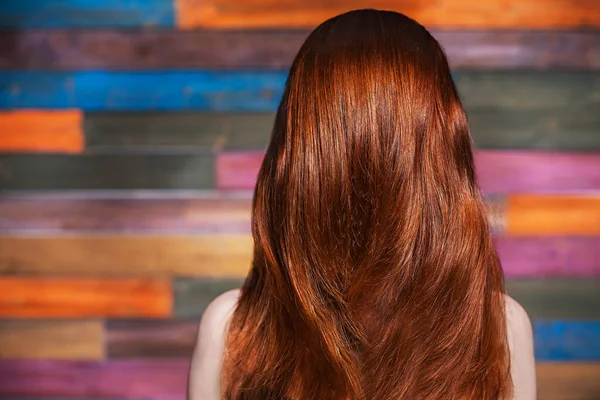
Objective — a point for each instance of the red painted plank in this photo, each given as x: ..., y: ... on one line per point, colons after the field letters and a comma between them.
x: 53, y: 131
x: 549, y: 256
x: 498, y: 171
x: 163, y: 379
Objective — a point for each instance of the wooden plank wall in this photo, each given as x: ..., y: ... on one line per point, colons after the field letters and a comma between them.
x: 131, y: 133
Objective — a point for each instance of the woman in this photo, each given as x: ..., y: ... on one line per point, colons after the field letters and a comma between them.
x: 374, y: 275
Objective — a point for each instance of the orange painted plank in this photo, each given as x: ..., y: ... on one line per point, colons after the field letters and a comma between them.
x: 70, y: 298
x: 549, y: 215
x: 57, y: 131
x: 431, y: 13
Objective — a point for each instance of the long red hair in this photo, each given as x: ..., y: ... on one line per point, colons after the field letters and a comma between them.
x: 374, y: 275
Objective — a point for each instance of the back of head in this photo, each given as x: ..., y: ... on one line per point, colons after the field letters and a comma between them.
x: 374, y: 275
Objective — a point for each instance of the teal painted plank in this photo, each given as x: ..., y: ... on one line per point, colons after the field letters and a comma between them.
x: 261, y: 91
x: 26, y: 14
x: 567, y: 340
x: 125, y: 171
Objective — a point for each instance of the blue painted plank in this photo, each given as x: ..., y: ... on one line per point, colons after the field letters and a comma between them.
x: 86, y: 13
x: 121, y: 91
x: 567, y: 340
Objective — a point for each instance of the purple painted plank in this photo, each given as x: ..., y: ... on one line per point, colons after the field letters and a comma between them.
x: 498, y: 171
x: 238, y: 170
x: 512, y: 171
x: 549, y: 256
x: 163, y: 379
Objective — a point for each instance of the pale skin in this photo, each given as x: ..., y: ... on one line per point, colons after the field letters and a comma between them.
x: 205, y: 370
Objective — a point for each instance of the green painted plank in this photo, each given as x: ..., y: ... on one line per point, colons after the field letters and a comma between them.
x: 122, y: 171
x: 557, y: 298
x: 192, y: 295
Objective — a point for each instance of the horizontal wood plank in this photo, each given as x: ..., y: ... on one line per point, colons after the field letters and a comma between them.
x: 568, y: 381
x: 163, y: 379
x: 139, y: 338
x: 223, y: 255
x: 547, y: 215
x: 499, y: 172
x: 567, y: 341
x: 558, y: 299
x: 192, y: 295
x: 106, y: 171
x: 274, y: 49
x: 61, y: 340
x: 549, y: 256
x: 25, y: 14
x: 261, y: 90
x: 443, y: 13
x: 82, y: 298
x: 41, y: 131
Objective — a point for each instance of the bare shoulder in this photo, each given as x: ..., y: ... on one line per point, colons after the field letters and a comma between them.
x: 205, y: 368
x: 520, y: 340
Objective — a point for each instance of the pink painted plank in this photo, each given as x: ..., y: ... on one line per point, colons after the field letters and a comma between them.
x: 549, y: 256
x: 163, y: 379
x: 498, y: 171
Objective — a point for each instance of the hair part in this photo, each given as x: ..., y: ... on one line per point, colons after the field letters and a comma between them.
x: 374, y: 275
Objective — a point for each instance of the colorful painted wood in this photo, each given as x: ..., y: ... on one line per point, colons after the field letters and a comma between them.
x: 445, y: 13
x: 223, y: 255
x: 568, y: 381
x: 238, y: 170
x: 106, y: 171
x: 558, y: 299
x: 274, y: 49
x: 23, y: 14
x: 261, y: 91
x: 545, y: 215
x: 125, y: 213
x: 41, y: 131
x: 193, y: 295
x: 62, y: 340
x: 163, y: 379
x: 151, y: 338
x: 79, y: 298
x: 567, y: 341
x: 549, y: 256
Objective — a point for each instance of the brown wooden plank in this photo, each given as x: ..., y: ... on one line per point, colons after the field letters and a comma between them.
x: 151, y: 338
x: 220, y: 255
x: 568, y: 381
x: 106, y: 171
x: 275, y: 49
x: 57, y: 131
x: 72, y: 298
x: 553, y: 215
x: 58, y: 340
x: 557, y: 299
x: 127, y: 213
x: 438, y: 14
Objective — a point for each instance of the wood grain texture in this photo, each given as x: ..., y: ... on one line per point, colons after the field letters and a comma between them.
x: 41, y: 131
x: 163, y: 379
x: 577, y: 215
x: 274, y: 49
x: 33, y: 214
x: 226, y: 255
x: 86, y: 13
x: 558, y: 299
x: 106, y: 171
x: 81, y: 298
x: 151, y: 338
x: 499, y: 172
x: 568, y: 381
x: 176, y: 131
x: 567, y: 341
x: 444, y: 13
x: 549, y: 256
x: 193, y: 295
x: 261, y: 90
x: 60, y: 340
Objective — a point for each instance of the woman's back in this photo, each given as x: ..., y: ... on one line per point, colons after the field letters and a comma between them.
x: 374, y: 275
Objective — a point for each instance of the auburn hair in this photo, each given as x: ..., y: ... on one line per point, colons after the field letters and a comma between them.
x: 374, y: 276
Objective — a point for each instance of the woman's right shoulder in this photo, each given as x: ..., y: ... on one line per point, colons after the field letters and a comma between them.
x: 520, y: 341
